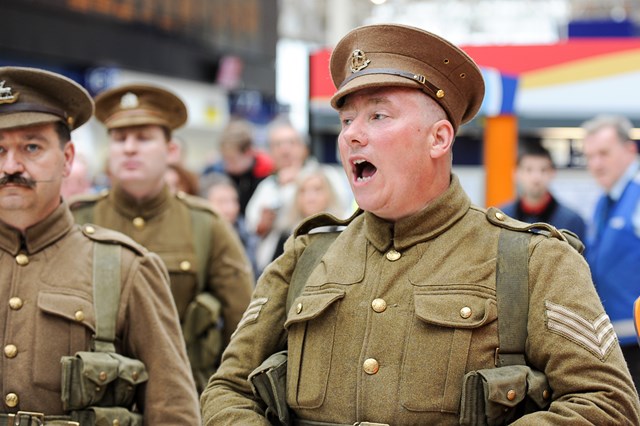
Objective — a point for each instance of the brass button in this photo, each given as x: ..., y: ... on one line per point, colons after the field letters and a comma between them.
x: 79, y: 315
x: 11, y: 351
x: 138, y: 222
x: 102, y: 376
x: 511, y: 395
x: 185, y: 265
x: 393, y: 255
x: 379, y: 305
x: 134, y: 375
x: 465, y: 312
x: 115, y: 422
x: 440, y: 93
x: 298, y: 308
x: 11, y: 399
x: 15, y: 303
x: 22, y: 259
x: 89, y: 229
x: 370, y: 366
x: 500, y: 216
x: 545, y: 394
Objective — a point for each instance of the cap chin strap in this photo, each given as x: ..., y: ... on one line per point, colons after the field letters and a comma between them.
x: 29, y: 107
x: 418, y: 78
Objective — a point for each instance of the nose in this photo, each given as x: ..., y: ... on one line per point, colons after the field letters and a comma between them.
x: 12, y: 163
x: 130, y: 143
x: 354, y: 133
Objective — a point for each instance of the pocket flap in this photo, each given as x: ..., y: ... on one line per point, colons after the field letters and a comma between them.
x: 538, y: 388
x: 505, y: 385
x: 180, y: 263
x: 130, y: 369
x: 309, y: 306
x: 69, y: 306
x: 99, y: 367
x: 455, y: 310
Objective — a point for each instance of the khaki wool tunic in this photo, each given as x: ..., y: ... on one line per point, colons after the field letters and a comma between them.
x: 395, y: 315
x: 163, y: 225
x: 47, y: 312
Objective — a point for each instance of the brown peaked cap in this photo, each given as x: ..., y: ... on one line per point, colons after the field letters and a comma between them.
x: 138, y: 105
x: 398, y: 55
x: 31, y: 96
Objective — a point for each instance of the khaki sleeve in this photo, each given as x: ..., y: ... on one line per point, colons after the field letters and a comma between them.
x: 230, y: 277
x: 571, y: 339
x: 152, y: 334
x: 228, y: 399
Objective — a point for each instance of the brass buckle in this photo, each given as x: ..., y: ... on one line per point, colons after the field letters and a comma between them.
x: 31, y: 415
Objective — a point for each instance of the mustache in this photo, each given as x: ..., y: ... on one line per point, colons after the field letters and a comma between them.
x: 17, y: 179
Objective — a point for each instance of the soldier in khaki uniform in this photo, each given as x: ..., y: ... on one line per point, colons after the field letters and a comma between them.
x: 48, y: 309
x: 402, y: 306
x: 206, y: 261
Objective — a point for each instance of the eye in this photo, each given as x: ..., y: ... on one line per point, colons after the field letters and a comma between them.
x: 346, y: 121
x: 32, y: 147
x: 378, y: 116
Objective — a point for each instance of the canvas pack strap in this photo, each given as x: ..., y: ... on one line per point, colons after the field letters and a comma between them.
x: 201, y: 227
x: 106, y: 294
x: 307, y: 262
x: 512, y: 293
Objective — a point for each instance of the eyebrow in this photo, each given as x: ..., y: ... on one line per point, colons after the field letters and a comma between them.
x: 377, y: 100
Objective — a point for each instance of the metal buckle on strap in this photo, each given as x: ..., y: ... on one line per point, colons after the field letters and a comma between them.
x: 38, y: 418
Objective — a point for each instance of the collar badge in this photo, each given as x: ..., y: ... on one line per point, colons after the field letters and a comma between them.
x: 6, y: 95
x: 359, y: 60
x: 129, y: 100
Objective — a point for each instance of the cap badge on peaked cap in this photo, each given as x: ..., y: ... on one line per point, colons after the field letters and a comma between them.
x: 6, y: 97
x: 359, y: 60
x: 129, y: 100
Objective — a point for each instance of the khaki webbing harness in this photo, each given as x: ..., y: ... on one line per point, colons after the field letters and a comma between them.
x: 106, y: 294
x: 512, y: 288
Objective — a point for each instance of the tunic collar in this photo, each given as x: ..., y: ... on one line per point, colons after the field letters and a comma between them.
x: 38, y: 236
x: 131, y: 207
x: 434, y: 219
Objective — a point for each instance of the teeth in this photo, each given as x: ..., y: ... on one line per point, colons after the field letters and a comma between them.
x: 358, y: 161
x: 363, y: 179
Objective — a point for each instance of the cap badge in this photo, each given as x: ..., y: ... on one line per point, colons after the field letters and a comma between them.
x: 6, y: 97
x: 359, y: 60
x: 129, y: 100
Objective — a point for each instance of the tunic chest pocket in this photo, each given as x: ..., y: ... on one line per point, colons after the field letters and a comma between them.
x: 64, y: 325
x: 183, y: 273
x: 447, y: 325
x: 311, y: 324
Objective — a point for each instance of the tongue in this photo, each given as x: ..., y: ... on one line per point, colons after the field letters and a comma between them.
x: 368, y: 170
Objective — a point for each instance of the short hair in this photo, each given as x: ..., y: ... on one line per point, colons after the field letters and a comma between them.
x: 238, y: 134
x: 211, y: 180
x: 620, y: 124
x: 64, y: 134
x: 279, y: 123
x: 534, y: 150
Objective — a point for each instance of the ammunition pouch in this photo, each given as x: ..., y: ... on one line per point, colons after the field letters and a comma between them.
x: 107, y: 416
x: 497, y: 396
x: 203, y: 337
x: 269, y: 384
x: 100, y: 379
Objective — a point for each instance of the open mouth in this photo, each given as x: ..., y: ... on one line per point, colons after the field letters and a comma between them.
x: 364, y: 170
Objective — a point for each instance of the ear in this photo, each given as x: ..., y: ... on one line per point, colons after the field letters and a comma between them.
x: 173, y: 151
x: 69, y: 152
x: 443, y: 135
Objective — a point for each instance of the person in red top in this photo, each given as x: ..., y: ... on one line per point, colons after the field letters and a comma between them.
x: 244, y: 164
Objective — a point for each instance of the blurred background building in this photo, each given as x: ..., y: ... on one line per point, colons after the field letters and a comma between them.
x: 549, y: 65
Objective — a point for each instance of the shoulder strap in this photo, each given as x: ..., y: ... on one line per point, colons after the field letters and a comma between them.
x: 106, y: 294
x: 201, y: 227
x: 308, y: 260
x: 512, y: 293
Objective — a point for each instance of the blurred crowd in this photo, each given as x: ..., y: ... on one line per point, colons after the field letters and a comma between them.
x: 262, y: 193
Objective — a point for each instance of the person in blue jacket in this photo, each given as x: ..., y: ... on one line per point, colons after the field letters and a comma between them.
x: 613, y: 242
x: 534, y: 173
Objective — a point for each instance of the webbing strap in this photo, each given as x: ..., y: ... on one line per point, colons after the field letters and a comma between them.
x: 309, y: 259
x: 106, y: 294
x: 512, y: 288
x: 201, y: 228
